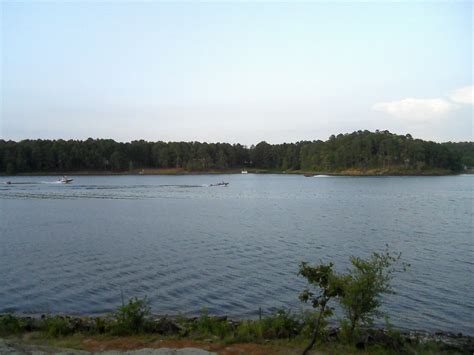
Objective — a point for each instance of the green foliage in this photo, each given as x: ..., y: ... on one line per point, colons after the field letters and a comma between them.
x: 10, y: 168
x: 347, y: 334
x: 132, y: 318
x: 379, y: 149
x: 323, y: 286
x: 210, y: 326
x: 283, y: 324
x: 56, y: 326
x: 393, y: 333
x: 248, y: 331
x: 464, y: 151
x: 10, y: 325
x: 282, y: 328
x: 363, y: 286
x: 357, y: 150
x: 308, y: 321
x: 359, y: 291
x: 101, y: 326
x: 184, y: 324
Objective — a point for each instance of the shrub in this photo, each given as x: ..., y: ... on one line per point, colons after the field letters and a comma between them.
x: 363, y: 286
x: 249, y: 331
x: 308, y: 324
x: 323, y: 285
x: 10, y: 325
x: 56, y: 326
x: 101, y: 326
x: 211, y: 326
x: 131, y: 318
x: 358, y: 291
x: 283, y: 324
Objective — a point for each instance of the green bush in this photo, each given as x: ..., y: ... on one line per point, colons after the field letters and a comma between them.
x: 56, y: 326
x: 132, y: 318
x: 347, y: 334
x: 283, y: 324
x: 308, y: 325
x: 363, y: 287
x: 323, y: 286
x: 101, y: 326
x: 210, y: 326
x: 10, y: 325
x: 249, y: 331
x: 358, y: 291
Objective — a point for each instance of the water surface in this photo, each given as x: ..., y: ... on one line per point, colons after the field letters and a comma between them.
x: 74, y: 248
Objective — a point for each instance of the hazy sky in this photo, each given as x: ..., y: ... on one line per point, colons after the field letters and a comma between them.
x: 235, y: 72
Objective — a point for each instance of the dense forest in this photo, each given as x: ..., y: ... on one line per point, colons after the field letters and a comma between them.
x: 358, y: 150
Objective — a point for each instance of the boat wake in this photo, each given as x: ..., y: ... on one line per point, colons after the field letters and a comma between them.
x: 21, y: 183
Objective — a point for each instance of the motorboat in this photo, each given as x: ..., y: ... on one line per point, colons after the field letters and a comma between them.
x: 244, y: 172
x: 222, y: 183
x: 65, y: 180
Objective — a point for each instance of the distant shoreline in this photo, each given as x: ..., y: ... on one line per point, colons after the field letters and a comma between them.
x: 360, y: 153
x: 181, y: 171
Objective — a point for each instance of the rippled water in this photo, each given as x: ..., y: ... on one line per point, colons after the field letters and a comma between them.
x: 75, y: 248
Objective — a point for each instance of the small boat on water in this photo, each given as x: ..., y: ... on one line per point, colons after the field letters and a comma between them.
x: 65, y: 180
x: 220, y: 184
x: 244, y: 172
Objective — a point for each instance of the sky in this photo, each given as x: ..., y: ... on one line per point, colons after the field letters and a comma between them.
x: 237, y: 72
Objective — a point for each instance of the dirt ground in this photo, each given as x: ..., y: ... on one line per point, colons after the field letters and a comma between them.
x: 134, y: 345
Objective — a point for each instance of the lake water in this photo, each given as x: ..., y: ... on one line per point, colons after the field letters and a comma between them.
x: 75, y: 248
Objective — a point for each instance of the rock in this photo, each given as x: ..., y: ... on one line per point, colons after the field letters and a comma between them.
x: 82, y: 324
x: 380, y: 337
x: 167, y: 326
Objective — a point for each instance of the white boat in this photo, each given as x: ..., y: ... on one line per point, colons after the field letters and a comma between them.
x: 65, y: 180
x: 220, y: 184
x: 244, y: 172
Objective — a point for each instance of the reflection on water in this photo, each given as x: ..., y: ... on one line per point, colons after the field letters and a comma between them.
x: 74, y: 247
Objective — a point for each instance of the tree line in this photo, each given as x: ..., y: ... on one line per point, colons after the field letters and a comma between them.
x: 357, y: 150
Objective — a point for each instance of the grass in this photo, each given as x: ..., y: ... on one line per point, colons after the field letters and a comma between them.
x: 10, y: 325
x: 56, y: 326
x: 131, y: 328
x: 131, y: 318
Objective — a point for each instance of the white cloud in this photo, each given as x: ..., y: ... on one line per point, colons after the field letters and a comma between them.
x: 416, y: 109
x: 421, y: 110
x: 464, y: 95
